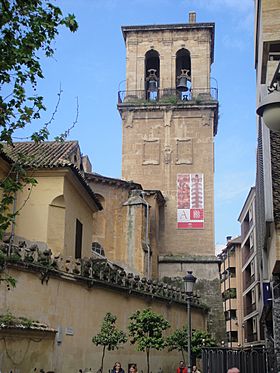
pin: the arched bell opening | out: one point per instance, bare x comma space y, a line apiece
152, 74
183, 72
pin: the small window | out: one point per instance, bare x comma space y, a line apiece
97, 248
232, 336
79, 239
254, 325
274, 52
250, 213
252, 265
251, 240
232, 272
253, 294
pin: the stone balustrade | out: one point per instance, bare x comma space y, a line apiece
92, 270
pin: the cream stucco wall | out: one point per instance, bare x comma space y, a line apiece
77, 208
48, 212
68, 304
33, 202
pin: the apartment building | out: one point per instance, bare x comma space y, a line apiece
251, 291
231, 289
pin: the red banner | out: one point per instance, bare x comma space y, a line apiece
190, 201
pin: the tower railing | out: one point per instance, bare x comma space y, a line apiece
167, 96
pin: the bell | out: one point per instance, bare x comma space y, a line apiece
152, 86
182, 84
182, 80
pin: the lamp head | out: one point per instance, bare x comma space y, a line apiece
189, 281
269, 109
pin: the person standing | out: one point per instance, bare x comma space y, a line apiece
182, 367
195, 370
133, 368
117, 368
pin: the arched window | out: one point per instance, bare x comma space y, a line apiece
97, 248
183, 70
152, 74
56, 224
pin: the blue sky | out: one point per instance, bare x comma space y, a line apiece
90, 64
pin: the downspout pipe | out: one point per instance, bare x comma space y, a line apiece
147, 241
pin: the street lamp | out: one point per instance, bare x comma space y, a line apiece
269, 107
189, 284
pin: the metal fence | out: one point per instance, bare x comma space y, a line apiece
167, 96
219, 360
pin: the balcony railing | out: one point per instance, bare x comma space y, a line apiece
167, 96
248, 280
247, 253
249, 309
251, 337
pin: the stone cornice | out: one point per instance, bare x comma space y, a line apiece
91, 273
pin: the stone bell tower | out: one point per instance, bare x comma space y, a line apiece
169, 120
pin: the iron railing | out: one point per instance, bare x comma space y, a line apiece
249, 308
248, 280
247, 253
219, 360
167, 96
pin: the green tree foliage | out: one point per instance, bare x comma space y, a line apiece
178, 340
27, 31
109, 337
200, 338
146, 330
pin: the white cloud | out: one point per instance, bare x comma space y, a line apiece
242, 6
233, 186
240, 11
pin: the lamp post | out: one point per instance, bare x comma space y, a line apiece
189, 284
269, 108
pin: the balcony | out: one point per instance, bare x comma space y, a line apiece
167, 96
248, 280
230, 304
249, 309
246, 254
230, 283
251, 337
232, 325
230, 261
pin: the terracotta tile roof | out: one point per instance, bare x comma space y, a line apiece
49, 154
46, 154
275, 171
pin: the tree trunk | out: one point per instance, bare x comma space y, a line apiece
183, 356
148, 359
102, 360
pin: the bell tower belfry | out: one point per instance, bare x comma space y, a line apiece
169, 120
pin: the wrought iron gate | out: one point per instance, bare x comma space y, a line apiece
219, 360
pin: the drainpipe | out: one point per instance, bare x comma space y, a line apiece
13, 222
147, 241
